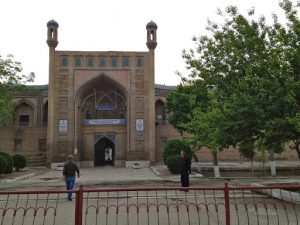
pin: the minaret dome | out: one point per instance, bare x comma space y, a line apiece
151, 28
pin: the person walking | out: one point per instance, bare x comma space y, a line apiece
69, 172
185, 169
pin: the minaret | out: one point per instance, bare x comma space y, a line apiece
52, 42
52, 34
151, 28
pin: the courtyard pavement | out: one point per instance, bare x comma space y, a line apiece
158, 174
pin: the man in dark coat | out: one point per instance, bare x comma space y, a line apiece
185, 169
69, 172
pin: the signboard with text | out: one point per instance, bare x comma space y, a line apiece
89, 122
140, 124
105, 107
63, 126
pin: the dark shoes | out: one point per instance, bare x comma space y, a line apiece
70, 199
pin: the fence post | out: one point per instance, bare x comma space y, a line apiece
78, 206
227, 204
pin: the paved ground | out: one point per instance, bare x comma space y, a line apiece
236, 173
158, 175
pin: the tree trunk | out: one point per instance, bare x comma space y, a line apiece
297, 149
216, 165
252, 166
273, 164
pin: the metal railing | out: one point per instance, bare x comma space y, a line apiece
226, 205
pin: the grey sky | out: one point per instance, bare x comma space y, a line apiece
111, 25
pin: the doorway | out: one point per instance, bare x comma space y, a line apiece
104, 152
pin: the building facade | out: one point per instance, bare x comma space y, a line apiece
102, 107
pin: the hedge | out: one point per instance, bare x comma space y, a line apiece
10, 162
173, 164
173, 147
19, 162
3, 164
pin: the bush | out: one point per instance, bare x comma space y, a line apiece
172, 163
173, 147
3, 164
10, 162
19, 162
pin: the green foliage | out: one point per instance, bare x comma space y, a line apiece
254, 70
3, 164
19, 162
173, 148
10, 162
172, 163
247, 150
10, 79
181, 103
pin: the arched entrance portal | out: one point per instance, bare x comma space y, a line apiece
104, 152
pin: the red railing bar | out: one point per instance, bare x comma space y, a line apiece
152, 189
227, 204
198, 188
264, 187
36, 192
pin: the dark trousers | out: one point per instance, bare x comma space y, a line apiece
184, 180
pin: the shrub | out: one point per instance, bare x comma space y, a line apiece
3, 164
10, 162
172, 163
173, 147
19, 162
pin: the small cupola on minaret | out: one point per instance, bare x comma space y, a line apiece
52, 40
151, 28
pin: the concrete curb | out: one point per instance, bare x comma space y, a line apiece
155, 171
288, 196
23, 177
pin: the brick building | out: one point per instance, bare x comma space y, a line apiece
99, 106
103, 107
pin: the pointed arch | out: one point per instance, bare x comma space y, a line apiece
160, 112
92, 82
45, 113
25, 101
104, 151
102, 98
24, 113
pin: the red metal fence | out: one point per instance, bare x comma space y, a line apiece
154, 206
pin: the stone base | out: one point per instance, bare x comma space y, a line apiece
86, 163
54, 165
120, 163
137, 164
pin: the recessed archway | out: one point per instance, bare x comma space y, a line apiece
102, 98
104, 152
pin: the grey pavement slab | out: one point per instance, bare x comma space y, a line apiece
96, 174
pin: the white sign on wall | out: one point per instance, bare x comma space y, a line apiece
140, 124
63, 126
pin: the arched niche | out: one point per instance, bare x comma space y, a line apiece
102, 98
160, 112
23, 114
45, 113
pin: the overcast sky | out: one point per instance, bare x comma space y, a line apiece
111, 25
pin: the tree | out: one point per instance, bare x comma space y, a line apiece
181, 103
10, 79
254, 68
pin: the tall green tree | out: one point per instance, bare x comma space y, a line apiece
181, 103
11, 79
254, 67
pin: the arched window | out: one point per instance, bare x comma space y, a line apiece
23, 115
45, 114
160, 112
